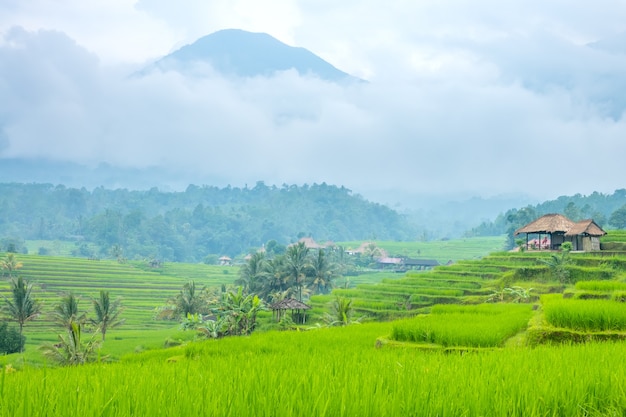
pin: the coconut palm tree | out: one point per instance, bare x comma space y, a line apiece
253, 273
341, 313
321, 279
22, 307
107, 313
66, 312
10, 265
275, 278
71, 349
296, 264
189, 300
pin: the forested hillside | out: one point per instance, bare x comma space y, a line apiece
608, 210
188, 226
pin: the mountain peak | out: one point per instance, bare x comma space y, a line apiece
236, 52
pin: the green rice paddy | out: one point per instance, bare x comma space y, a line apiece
327, 372
464, 358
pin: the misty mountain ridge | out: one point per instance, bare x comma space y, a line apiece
235, 52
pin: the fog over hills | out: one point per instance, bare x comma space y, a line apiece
466, 103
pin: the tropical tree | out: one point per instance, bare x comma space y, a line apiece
189, 300
239, 311
10, 265
341, 313
558, 263
618, 218
66, 312
276, 280
22, 307
296, 264
253, 273
321, 278
107, 313
70, 349
10, 339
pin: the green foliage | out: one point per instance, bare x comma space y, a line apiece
515, 294
189, 300
10, 339
71, 349
186, 226
66, 312
296, 265
191, 322
107, 313
618, 218
321, 276
22, 306
235, 314
9, 265
341, 313
558, 265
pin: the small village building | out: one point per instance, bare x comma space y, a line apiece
549, 232
298, 310
420, 263
585, 236
387, 262
404, 264
225, 260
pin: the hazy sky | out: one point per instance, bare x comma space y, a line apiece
478, 97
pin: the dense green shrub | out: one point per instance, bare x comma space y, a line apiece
10, 339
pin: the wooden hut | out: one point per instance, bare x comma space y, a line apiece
552, 230
585, 235
547, 232
298, 310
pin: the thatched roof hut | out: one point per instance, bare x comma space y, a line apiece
555, 229
550, 223
587, 228
297, 308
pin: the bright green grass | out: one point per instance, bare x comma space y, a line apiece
486, 325
601, 286
585, 315
327, 372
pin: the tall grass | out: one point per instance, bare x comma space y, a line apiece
328, 372
487, 325
601, 286
585, 315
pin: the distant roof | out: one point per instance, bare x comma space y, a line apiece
289, 304
310, 243
586, 227
421, 262
550, 223
557, 223
387, 260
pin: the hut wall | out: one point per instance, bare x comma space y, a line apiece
591, 243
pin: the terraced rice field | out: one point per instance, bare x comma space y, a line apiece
142, 289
